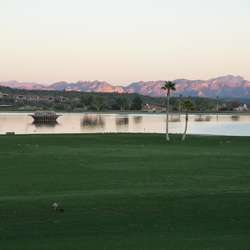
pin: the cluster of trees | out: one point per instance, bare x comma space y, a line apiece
201, 104
86, 101
121, 102
110, 101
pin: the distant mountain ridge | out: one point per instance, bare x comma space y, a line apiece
22, 85
223, 86
87, 86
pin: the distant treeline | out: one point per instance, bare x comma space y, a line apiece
109, 101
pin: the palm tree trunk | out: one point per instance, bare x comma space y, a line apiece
186, 123
167, 136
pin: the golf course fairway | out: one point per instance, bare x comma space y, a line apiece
124, 191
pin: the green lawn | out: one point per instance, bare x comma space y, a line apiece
124, 191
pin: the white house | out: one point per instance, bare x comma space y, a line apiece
242, 108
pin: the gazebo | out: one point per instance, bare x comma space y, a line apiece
45, 116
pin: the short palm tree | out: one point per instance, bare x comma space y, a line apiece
168, 86
187, 105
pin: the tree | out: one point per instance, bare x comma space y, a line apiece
137, 103
168, 86
85, 101
122, 102
235, 104
187, 105
89, 100
93, 100
101, 100
201, 103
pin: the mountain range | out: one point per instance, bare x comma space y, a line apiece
224, 86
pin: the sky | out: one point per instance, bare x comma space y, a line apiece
123, 41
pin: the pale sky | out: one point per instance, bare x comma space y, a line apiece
123, 41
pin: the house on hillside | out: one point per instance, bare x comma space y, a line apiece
62, 99
33, 97
152, 108
49, 98
19, 97
4, 95
242, 108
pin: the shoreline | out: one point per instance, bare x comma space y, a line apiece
129, 112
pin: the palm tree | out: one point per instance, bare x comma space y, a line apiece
180, 102
168, 86
187, 105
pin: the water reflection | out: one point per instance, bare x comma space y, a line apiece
122, 121
22, 123
235, 118
201, 118
208, 118
45, 124
175, 119
92, 121
137, 119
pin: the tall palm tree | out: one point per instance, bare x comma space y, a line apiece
187, 105
168, 86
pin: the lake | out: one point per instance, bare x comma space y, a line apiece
210, 124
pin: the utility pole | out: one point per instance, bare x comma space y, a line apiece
217, 103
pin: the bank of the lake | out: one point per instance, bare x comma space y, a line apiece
124, 191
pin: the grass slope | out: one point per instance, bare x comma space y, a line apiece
124, 191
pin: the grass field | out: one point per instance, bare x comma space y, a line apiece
124, 191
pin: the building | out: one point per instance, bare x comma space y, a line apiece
4, 95
152, 108
242, 108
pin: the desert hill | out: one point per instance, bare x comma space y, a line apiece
224, 86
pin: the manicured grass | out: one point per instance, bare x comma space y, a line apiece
124, 191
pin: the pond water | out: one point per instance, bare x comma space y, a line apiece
210, 124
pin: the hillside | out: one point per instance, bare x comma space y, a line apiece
225, 86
